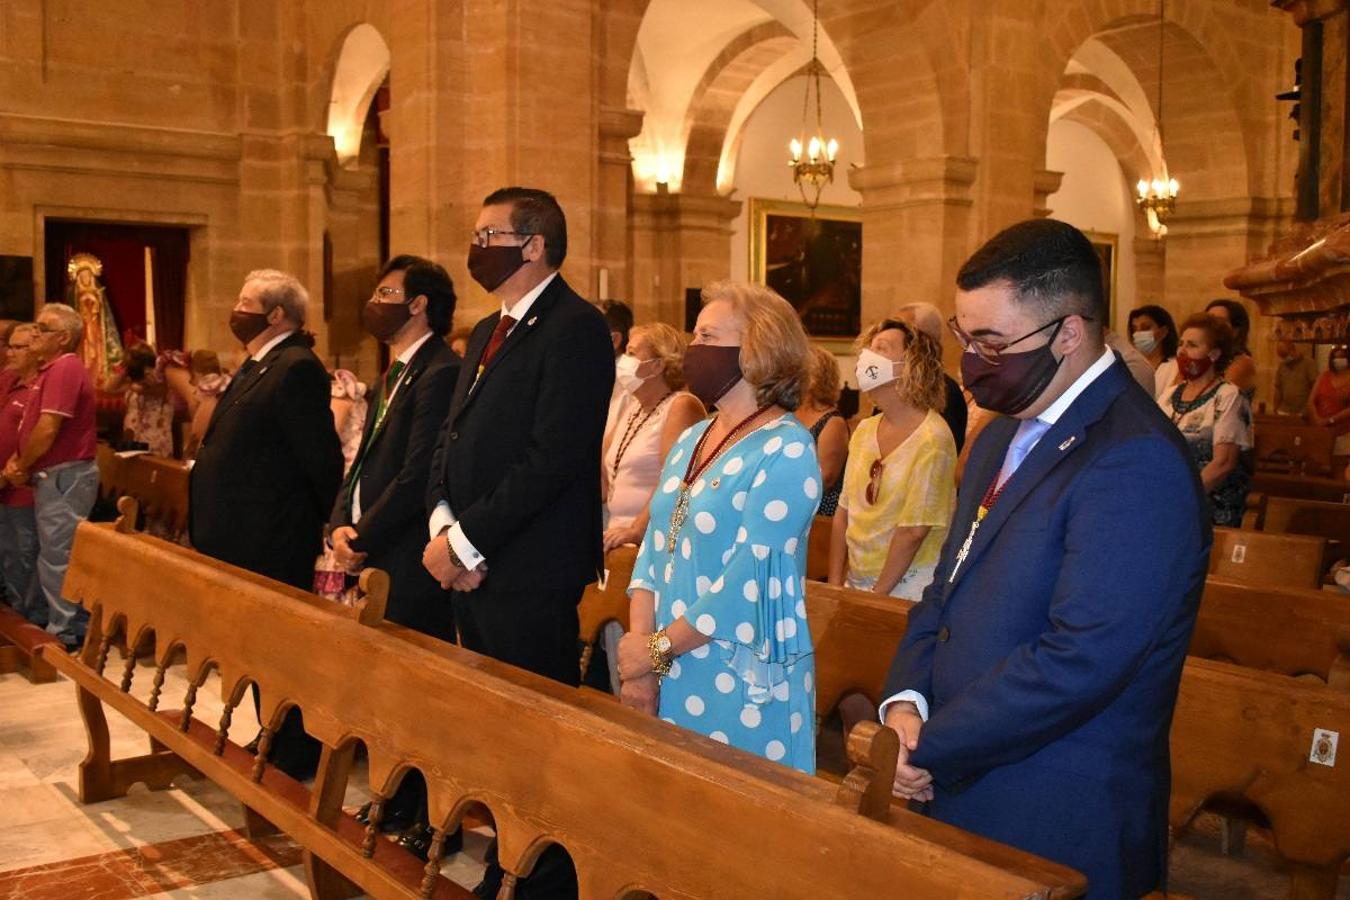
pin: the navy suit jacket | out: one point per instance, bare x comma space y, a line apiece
1051, 657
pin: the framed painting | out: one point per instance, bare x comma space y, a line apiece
814, 261
1106, 246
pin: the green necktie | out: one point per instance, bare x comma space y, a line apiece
390, 381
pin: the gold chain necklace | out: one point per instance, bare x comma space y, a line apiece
693, 470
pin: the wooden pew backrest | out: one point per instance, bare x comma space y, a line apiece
818, 549
1331, 490
552, 764
1264, 558
1293, 447
1288, 515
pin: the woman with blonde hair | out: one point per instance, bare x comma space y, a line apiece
718, 590
651, 374
899, 486
819, 413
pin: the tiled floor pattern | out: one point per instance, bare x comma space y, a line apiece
186, 842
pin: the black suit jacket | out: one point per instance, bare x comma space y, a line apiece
269, 468
394, 463
519, 457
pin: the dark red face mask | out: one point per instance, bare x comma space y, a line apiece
711, 371
1015, 381
245, 326
491, 266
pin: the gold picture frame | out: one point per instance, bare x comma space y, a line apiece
813, 258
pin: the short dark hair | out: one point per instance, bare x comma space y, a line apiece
1161, 317
535, 212
1238, 319
424, 278
619, 316
1048, 263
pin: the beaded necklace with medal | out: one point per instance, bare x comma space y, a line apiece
987, 503
694, 470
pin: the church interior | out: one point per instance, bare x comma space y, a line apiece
850, 156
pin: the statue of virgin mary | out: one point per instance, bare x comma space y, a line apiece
101, 349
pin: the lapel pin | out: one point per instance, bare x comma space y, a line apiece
532, 320
1065, 446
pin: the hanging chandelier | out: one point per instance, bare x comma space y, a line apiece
1157, 198
812, 158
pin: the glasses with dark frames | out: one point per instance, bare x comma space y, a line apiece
990, 351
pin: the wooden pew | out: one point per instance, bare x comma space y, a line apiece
159, 485
1287, 515
551, 764
1265, 558
1299, 633
818, 548
1292, 447
602, 604
1330, 490
1256, 727
19, 642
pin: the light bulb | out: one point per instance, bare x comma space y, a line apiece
1173, 187
796, 147
813, 149
832, 149
1142, 187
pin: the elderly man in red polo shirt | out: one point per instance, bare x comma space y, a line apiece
56, 457
18, 525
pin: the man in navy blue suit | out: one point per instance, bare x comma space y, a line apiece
1034, 688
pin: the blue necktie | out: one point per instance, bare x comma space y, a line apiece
1028, 433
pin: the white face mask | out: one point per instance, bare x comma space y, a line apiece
874, 370
625, 373
1145, 342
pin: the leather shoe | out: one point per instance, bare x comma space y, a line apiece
417, 841
393, 820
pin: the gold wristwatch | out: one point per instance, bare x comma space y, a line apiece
658, 645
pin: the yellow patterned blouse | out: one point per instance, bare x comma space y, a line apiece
916, 486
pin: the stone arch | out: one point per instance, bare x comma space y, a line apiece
675, 83
1113, 124
719, 96
1204, 63
361, 67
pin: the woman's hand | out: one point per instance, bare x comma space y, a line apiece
642, 694
635, 660
622, 534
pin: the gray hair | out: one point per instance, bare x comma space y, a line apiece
924, 316
68, 320
277, 288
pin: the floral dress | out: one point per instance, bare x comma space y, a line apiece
736, 572
1218, 416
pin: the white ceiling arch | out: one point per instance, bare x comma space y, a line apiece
362, 65
677, 42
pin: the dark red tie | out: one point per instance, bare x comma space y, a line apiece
495, 342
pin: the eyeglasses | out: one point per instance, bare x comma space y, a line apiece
46, 329
483, 236
990, 351
386, 293
874, 482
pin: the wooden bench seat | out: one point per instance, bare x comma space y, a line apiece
19, 642
551, 764
1318, 518
1265, 558
1330, 490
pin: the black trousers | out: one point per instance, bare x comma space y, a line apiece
536, 631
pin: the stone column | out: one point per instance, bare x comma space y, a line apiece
679, 242
612, 207
916, 230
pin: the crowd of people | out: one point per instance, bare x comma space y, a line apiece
490, 484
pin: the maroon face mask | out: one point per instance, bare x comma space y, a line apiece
1014, 382
383, 320
711, 371
490, 266
247, 325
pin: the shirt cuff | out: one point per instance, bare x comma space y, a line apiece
464, 549
912, 696
441, 519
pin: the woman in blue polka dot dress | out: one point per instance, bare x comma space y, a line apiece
718, 589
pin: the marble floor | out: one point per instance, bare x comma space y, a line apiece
187, 841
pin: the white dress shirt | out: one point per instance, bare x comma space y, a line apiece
1049, 416
442, 516
267, 347
405, 357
